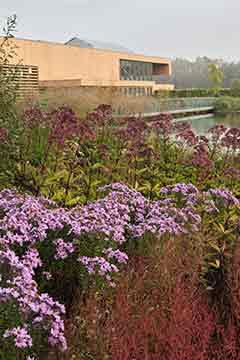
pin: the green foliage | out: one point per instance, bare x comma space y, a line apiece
189, 74
220, 241
236, 85
216, 76
72, 173
7, 86
104, 150
227, 104
8, 95
191, 93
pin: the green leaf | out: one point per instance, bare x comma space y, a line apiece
63, 174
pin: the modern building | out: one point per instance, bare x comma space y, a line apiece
83, 63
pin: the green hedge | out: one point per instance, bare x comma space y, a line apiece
182, 93
227, 104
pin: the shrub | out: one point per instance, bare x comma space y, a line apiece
185, 93
65, 158
33, 233
144, 318
7, 85
46, 252
65, 233
227, 104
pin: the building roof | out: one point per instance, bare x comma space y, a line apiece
94, 44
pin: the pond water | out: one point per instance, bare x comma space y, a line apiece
201, 125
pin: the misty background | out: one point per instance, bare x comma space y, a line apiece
182, 29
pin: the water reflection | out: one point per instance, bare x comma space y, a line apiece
201, 125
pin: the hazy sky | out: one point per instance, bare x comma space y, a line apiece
171, 28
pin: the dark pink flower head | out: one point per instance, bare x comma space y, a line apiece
138, 148
203, 139
201, 157
217, 131
64, 125
231, 138
189, 137
134, 131
85, 132
105, 110
34, 116
136, 127
162, 124
101, 115
3, 135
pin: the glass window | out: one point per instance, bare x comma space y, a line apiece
135, 70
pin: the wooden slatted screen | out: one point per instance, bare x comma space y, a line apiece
25, 77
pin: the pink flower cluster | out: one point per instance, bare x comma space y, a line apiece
201, 157
21, 336
64, 125
121, 215
100, 266
224, 196
3, 135
162, 124
21, 287
63, 249
101, 115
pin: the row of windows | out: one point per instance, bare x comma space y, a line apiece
135, 70
135, 91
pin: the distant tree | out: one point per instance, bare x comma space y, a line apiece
195, 74
235, 87
191, 74
7, 49
8, 86
236, 84
215, 76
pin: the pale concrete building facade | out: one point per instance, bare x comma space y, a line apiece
75, 65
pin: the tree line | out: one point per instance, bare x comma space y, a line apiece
204, 72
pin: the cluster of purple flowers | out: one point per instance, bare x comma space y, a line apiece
217, 131
120, 256
162, 124
19, 286
63, 249
201, 157
231, 138
224, 196
34, 116
181, 188
227, 137
101, 115
100, 266
21, 336
62, 124
121, 215
184, 132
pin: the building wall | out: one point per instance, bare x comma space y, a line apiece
63, 62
